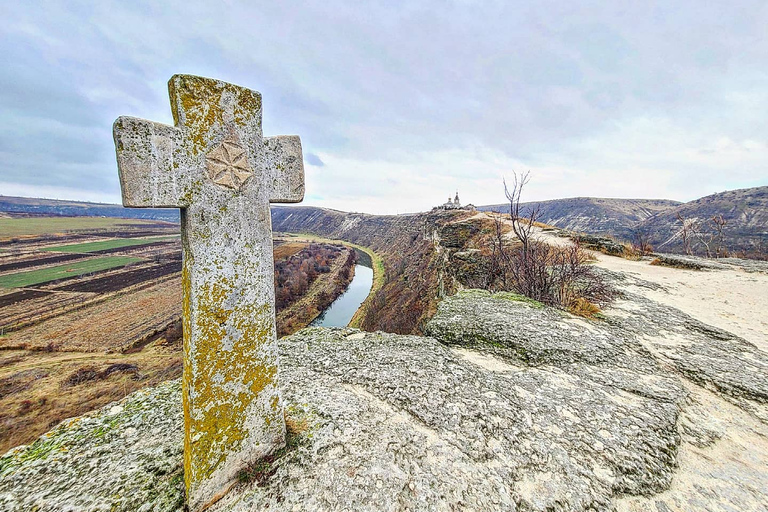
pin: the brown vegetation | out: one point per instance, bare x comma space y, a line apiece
300, 295
284, 250
553, 275
294, 275
38, 389
113, 325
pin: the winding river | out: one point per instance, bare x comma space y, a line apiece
343, 308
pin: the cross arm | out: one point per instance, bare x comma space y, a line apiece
285, 165
149, 173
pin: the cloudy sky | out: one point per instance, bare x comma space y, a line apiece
399, 105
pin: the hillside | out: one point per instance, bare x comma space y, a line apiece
603, 216
38, 206
745, 211
418, 252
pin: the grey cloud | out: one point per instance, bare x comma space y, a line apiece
382, 82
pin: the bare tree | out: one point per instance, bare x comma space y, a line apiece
522, 225
558, 276
718, 225
685, 233
709, 234
641, 242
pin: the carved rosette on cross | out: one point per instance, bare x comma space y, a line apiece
217, 167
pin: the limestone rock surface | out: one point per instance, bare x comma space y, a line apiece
509, 406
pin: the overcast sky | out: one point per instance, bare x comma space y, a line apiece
399, 105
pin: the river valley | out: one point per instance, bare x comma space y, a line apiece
341, 311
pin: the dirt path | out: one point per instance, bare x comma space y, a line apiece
733, 300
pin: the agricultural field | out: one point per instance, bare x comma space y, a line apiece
60, 272
107, 245
34, 226
53, 265
90, 311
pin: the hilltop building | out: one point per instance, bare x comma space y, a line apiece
454, 204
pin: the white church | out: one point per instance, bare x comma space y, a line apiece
454, 204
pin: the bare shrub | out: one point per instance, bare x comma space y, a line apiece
685, 233
641, 242
553, 275
81, 375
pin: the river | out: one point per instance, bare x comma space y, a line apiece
343, 308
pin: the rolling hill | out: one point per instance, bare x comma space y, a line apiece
57, 207
745, 212
603, 216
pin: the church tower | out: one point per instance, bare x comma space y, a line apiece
456, 200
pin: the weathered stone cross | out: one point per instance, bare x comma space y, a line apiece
215, 166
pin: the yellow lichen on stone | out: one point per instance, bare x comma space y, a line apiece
218, 427
187, 370
198, 99
247, 106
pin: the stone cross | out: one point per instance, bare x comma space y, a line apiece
215, 165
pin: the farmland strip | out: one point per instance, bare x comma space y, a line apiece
153, 244
107, 244
38, 262
12, 298
122, 280
44, 275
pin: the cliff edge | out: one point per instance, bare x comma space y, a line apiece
506, 406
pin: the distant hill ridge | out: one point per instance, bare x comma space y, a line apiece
607, 216
63, 208
745, 211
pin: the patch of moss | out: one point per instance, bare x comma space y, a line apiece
516, 297
40, 449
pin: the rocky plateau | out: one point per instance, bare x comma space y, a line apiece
503, 405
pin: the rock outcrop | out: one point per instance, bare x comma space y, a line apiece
508, 406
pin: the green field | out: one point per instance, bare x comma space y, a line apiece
50, 225
44, 275
108, 244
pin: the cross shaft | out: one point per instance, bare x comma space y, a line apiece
216, 166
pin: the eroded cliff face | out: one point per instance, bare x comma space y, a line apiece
416, 250
508, 406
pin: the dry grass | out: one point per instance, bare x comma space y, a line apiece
295, 426
631, 253
582, 307
113, 325
40, 389
287, 249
